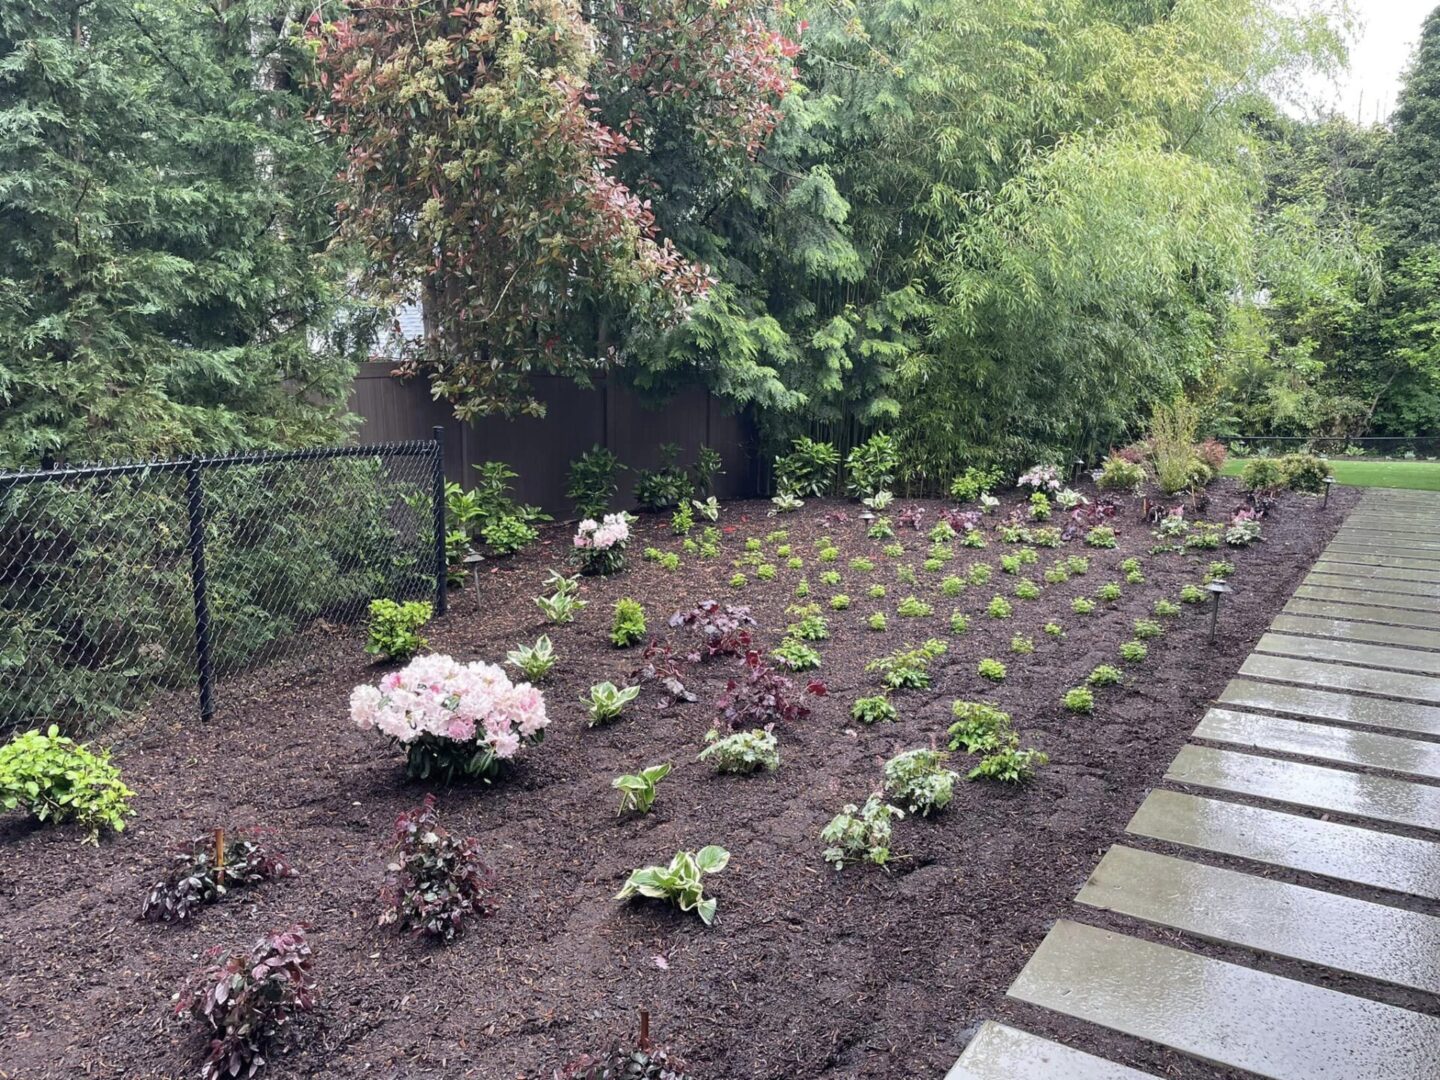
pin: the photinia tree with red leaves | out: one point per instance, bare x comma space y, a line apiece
484, 146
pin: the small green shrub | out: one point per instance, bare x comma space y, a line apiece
1192, 594
743, 752
1079, 699
1010, 764
1305, 472
1056, 575
991, 669
860, 833
942, 532
893, 551
563, 603
1133, 651
919, 781
53, 778
830, 577
1130, 565
627, 627
959, 622
862, 565
683, 520
802, 588
1219, 571
973, 482
979, 574
876, 592
1047, 537
1028, 556
913, 608
753, 544
393, 630
809, 624
795, 655
932, 566
795, 563
765, 572
1135, 577
1054, 629
1082, 606
1077, 564
1010, 564
1039, 506
1146, 628
874, 710
1101, 536
952, 587
999, 608
979, 728
1166, 608
738, 580
1105, 675
905, 575
880, 529
1110, 592
1021, 644
1261, 474
839, 602
1117, 474
973, 538
908, 669
876, 621
1025, 589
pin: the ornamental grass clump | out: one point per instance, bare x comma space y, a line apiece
436, 881
55, 779
600, 545
247, 999
454, 720
207, 868
860, 833
681, 882
919, 781
743, 752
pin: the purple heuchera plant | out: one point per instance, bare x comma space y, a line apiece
723, 629
247, 999
436, 880
197, 875
762, 696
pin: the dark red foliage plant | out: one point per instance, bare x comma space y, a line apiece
722, 629
760, 695
208, 867
660, 663
247, 999
962, 521
436, 880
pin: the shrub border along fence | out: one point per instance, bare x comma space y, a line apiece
194, 469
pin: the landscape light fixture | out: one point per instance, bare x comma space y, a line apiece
1075, 467
1216, 589
1329, 483
473, 560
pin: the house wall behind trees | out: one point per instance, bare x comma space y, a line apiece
576, 419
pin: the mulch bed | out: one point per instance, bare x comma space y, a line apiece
807, 972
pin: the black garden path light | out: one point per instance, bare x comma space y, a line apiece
1329, 483
1217, 589
473, 561
1075, 467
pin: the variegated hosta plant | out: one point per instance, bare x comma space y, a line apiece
680, 882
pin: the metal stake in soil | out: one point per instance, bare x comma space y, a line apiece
1217, 589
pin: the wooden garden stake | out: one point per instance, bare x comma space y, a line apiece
644, 1029
220, 856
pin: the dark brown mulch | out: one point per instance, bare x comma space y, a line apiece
807, 973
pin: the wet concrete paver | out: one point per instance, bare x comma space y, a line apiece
999, 1052
1310, 701
1324, 742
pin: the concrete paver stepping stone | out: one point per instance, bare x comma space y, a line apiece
1307, 738
1351, 652
1330, 705
1364, 558
1349, 630
1342, 677
1424, 589
1316, 787
1224, 1013
1344, 852
1372, 940
1327, 565
1300, 604
1369, 597
998, 1052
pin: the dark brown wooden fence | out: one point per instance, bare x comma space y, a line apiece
576, 418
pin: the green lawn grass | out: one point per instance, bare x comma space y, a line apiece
1417, 475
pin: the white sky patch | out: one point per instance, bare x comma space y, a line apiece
1388, 32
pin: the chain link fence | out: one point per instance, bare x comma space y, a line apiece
121, 583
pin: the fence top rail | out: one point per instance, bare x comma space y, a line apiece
1328, 438
413, 448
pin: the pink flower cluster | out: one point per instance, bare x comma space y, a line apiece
595, 535
1045, 477
438, 696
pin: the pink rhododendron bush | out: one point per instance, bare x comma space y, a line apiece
600, 545
453, 719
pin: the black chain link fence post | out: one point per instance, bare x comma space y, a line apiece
441, 570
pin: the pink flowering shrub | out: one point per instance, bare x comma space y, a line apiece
452, 718
1041, 478
600, 545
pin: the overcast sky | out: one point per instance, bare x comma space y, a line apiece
1389, 31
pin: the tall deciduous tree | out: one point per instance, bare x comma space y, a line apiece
495, 161
164, 206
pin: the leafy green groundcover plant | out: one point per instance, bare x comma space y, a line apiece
393, 631
979, 727
207, 868
55, 779
860, 833
1079, 699
435, 881
909, 668
563, 602
919, 781
607, 701
873, 710
533, 661
681, 882
628, 625
743, 752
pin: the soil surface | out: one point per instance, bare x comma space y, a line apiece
866, 973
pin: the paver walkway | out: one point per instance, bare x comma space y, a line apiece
1302, 825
